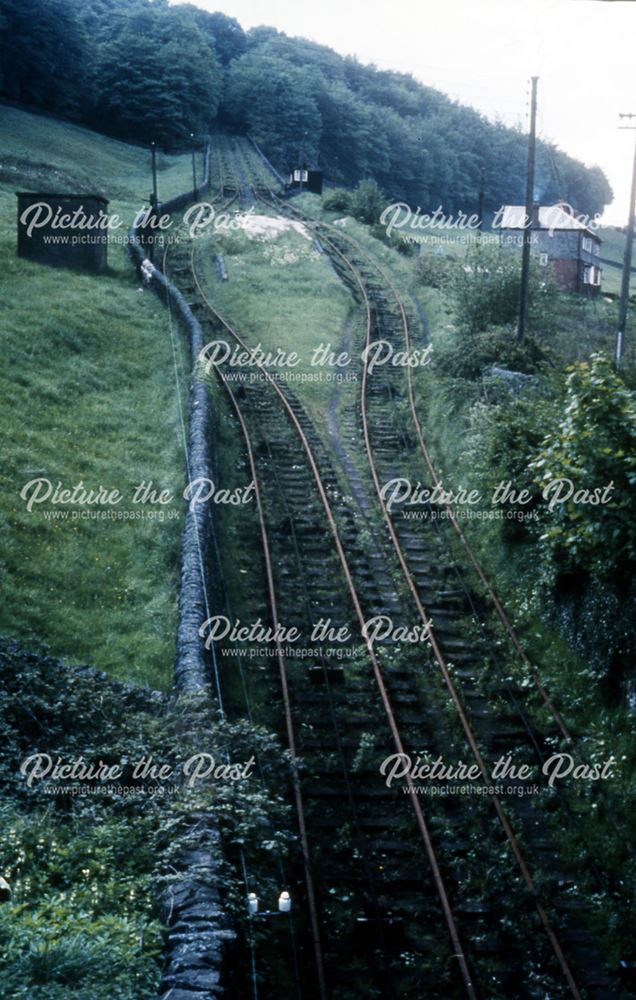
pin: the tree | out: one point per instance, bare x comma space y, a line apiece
149, 69
44, 55
347, 133
593, 446
273, 100
159, 79
224, 34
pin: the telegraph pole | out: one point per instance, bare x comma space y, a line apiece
153, 147
301, 158
627, 259
194, 166
527, 232
153, 198
480, 208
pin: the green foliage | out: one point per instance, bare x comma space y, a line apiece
145, 69
79, 922
337, 200
367, 202
487, 291
592, 446
225, 34
158, 77
435, 270
45, 56
86, 871
467, 357
503, 432
569, 568
274, 101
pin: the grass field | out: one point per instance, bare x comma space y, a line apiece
40, 153
88, 395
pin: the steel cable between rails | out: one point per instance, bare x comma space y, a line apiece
251, 717
236, 407
366, 864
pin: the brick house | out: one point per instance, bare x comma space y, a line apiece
560, 239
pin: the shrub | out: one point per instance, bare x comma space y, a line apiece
435, 269
86, 871
467, 357
592, 446
367, 203
487, 291
337, 200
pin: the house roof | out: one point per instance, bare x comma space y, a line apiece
550, 217
61, 196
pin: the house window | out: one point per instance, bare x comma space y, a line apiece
543, 259
591, 275
587, 244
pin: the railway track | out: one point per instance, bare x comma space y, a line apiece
312, 550
383, 440
308, 547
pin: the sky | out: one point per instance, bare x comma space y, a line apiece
483, 53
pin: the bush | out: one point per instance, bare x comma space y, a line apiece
80, 897
467, 357
592, 446
487, 291
86, 871
337, 200
435, 269
367, 202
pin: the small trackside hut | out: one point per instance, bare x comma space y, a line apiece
64, 230
559, 239
306, 180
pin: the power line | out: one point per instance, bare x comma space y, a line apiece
527, 232
627, 259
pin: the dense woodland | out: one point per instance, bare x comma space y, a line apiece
142, 70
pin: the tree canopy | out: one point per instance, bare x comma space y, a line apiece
144, 70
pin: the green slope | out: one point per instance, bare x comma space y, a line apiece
87, 393
612, 251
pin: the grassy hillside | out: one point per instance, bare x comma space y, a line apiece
612, 251
87, 394
42, 153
